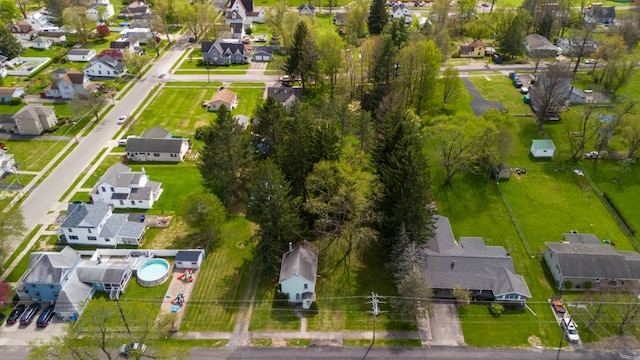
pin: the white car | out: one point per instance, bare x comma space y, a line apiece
571, 330
122, 119
524, 90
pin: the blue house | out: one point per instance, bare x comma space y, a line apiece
224, 53
8, 93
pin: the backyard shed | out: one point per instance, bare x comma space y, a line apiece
542, 148
504, 171
189, 259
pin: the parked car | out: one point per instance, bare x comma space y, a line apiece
192, 39
524, 90
30, 313
571, 330
16, 313
496, 58
558, 306
126, 349
590, 61
513, 75
45, 317
517, 83
122, 119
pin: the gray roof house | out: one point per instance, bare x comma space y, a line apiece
285, 95
158, 145
34, 119
602, 15
105, 66
486, 271
224, 53
583, 261
123, 188
539, 46
96, 224
298, 272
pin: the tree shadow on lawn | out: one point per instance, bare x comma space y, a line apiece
234, 285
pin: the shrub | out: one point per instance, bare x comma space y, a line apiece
496, 309
588, 285
200, 132
568, 285
16, 101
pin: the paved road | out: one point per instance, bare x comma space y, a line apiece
43, 200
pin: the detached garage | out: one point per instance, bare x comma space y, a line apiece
542, 148
189, 259
262, 53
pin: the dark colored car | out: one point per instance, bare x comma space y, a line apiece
513, 75
46, 316
15, 314
30, 313
517, 83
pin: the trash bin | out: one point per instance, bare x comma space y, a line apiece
142, 218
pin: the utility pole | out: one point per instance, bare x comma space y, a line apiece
375, 302
123, 318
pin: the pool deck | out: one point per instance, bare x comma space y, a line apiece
175, 287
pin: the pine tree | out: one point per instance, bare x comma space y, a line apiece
378, 17
267, 129
303, 55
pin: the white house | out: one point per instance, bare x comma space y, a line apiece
100, 10
401, 11
105, 66
122, 188
81, 55
39, 21
7, 163
542, 148
66, 83
189, 259
142, 35
224, 97
298, 274
96, 224
157, 144
41, 43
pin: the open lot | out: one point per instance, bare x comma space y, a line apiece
33, 155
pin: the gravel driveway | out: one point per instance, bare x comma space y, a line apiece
479, 104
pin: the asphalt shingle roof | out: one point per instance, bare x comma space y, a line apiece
301, 261
170, 145
188, 255
85, 215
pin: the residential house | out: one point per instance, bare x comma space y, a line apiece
142, 35
244, 9
542, 148
339, 19
223, 53
38, 21
81, 55
34, 119
135, 10
574, 46
601, 15
486, 271
57, 38
99, 10
67, 83
224, 97
307, 10
582, 261
41, 43
475, 48
539, 46
97, 225
105, 66
122, 188
234, 17
298, 272
262, 53
237, 31
551, 92
8, 93
579, 96
7, 162
401, 11
189, 259
23, 32
3, 66
131, 44
286, 95
157, 144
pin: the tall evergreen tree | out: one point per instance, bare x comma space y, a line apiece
403, 195
511, 32
271, 206
303, 54
267, 128
9, 46
378, 17
325, 143
297, 158
225, 160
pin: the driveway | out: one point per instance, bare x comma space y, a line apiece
479, 104
445, 325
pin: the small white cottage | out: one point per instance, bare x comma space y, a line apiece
189, 259
298, 274
542, 148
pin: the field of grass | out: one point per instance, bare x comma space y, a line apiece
192, 65
35, 154
217, 293
248, 98
499, 88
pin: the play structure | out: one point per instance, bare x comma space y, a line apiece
186, 276
179, 300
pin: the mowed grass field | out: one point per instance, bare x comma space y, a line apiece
35, 154
217, 293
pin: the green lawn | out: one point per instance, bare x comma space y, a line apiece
35, 154
100, 170
193, 65
499, 88
153, 295
221, 280
248, 98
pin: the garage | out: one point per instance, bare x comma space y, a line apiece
262, 54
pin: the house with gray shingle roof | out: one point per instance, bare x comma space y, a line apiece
224, 53
298, 272
34, 119
586, 262
122, 188
96, 224
486, 271
105, 66
158, 145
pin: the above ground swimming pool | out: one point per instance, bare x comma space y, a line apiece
153, 272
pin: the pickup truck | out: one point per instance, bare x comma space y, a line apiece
558, 306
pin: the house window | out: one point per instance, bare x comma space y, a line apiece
91, 238
112, 189
194, 263
37, 293
297, 296
306, 286
73, 237
99, 72
103, 189
174, 155
89, 231
51, 286
156, 154
107, 240
70, 230
133, 202
121, 202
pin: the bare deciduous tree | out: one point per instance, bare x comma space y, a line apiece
550, 92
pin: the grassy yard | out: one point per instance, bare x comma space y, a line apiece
499, 88
193, 65
221, 280
100, 170
35, 154
248, 98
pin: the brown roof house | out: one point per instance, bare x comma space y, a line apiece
8, 93
23, 31
539, 46
475, 48
222, 97
66, 83
34, 119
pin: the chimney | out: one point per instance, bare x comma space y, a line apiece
99, 259
290, 246
453, 263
